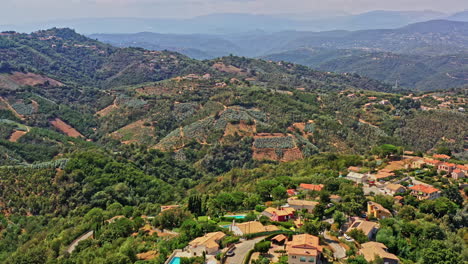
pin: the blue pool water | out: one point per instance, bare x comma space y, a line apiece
175, 260
235, 216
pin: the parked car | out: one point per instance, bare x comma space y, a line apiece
231, 252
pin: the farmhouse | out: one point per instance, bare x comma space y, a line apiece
372, 249
304, 248
458, 174
423, 192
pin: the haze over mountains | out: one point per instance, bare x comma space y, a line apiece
240, 23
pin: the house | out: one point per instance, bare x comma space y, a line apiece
279, 239
370, 250
304, 248
282, 214
357, 177
377, 210
431, 162
354, 169
252, 227
463, 168
208, 243
445, 167
291, 192
382, 175
300, 205
423, 192
367, 227
393, 189
335, 198
441, 156
310, 187
417, 164
458, 174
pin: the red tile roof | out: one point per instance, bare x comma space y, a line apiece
424, 188
441, 156
312, 187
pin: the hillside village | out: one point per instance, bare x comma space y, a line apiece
306, 225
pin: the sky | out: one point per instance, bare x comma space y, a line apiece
25, 11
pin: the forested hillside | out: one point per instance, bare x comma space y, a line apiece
410, 71
96, 140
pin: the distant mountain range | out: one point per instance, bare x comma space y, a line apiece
419, 55
240, 23
434, 37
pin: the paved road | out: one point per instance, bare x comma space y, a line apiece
338, 251
73, 245
241, 251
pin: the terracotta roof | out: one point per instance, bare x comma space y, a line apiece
255, 227
312, 187
394, 187
304, 245
462, 167
301, 202
370, 249
208, 240
424, 188
398, 197
354, 169
365, 226
440, 156
382, 174
291, 191
432, 162
457, 171
447, 164
280, 212
279, 238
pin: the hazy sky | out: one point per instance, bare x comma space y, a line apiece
17, 11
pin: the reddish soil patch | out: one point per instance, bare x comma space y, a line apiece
17, 135
292, 154
265, 154
66, 128
31, 79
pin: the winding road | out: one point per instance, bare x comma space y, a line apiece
242, 249
73, 245
338, 251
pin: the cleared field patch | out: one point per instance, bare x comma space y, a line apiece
65, 128
5, 103
17, 134
275, 146
106, 111
228, 68
137, 132
18, 79
242, 129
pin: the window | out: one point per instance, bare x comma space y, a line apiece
294, 257
302, 259
312, 260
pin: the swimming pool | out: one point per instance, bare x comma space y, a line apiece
235, 216
175, 260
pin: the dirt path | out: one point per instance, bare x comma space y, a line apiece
11, 108
367, 123
73, 245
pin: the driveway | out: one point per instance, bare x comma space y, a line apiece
241, 251
338, 251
